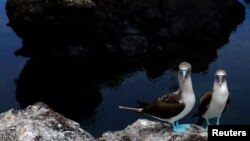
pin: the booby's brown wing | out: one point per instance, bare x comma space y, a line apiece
176, 96
165, 107
204, 102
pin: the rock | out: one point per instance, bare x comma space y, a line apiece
43, 4
49, 17
134, 45
98, 25
39, 123
145, 130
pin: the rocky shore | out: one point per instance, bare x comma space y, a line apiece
39, 122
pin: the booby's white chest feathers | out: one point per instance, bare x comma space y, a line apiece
189, 100
220, 96
218, 102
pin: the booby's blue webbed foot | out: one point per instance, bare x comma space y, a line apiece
186, 126
178, 129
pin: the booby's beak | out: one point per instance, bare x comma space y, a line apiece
184, 72
220, 79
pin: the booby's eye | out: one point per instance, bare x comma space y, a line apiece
223, 77
217, 77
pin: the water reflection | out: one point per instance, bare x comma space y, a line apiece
68, 88
69, 79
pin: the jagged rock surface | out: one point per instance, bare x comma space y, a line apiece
39, 123
145, 130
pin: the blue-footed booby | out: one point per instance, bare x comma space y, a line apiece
173, 106
214, 103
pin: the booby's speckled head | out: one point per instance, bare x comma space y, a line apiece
184, 69
220, 76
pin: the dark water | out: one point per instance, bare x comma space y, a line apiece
10, 66
44, 82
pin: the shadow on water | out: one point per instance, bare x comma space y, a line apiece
67, 69
67, 88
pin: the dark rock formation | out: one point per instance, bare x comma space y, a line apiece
39, 123
168, 25
127, 28
145, 130
142, 33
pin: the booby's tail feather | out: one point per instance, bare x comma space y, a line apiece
200, 121
138, 110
